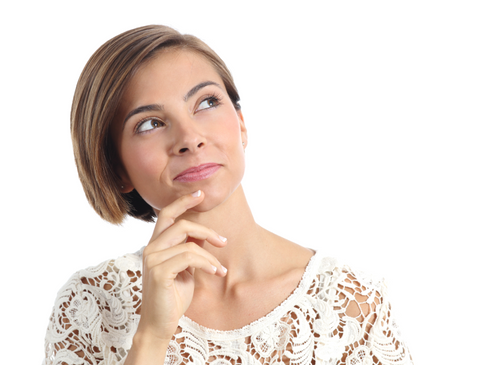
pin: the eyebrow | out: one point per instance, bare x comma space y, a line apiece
142, 109
159, 107
195, 89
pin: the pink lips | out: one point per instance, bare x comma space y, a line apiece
197, 173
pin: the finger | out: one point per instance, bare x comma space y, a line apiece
180, 231
168, 270
159, 257
166, 216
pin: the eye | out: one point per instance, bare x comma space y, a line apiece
209, 102
148, 125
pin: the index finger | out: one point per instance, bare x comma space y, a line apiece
166, 216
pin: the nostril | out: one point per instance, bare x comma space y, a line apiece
186, 149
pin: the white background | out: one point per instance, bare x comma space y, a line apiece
363, 121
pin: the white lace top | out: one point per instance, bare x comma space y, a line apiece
97, 312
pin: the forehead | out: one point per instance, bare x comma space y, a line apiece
170, 72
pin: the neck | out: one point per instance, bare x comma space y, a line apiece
246, 241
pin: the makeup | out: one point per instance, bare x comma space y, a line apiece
197, 173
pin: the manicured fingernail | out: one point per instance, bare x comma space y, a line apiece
224, 269
196, 194
214, 269
222, 238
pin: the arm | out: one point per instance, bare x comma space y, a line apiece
73, 329
94, 315
146, 352
169, 263
379, 339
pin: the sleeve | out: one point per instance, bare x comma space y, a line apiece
377, 339
95, 315
73, 334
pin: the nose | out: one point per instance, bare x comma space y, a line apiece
188, 138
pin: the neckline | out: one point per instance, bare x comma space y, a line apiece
304, 284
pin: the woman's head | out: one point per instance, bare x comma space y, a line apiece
96, 102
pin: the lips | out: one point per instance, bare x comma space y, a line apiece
197, 173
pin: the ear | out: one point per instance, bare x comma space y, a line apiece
125, 186
243, 128
125, 189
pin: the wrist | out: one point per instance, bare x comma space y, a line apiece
147, 350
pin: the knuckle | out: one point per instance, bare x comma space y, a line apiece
156, 274
163, 212
146, 252
191, 246
182, 223
169, 221
165, 218
147, 261
188, 256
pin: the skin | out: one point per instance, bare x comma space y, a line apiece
152, 159
183, 270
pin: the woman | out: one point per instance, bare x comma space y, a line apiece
158, 132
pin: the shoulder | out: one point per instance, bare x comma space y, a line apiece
357, 292
95, 310
332, 272
355, 304
124, 264
102, 281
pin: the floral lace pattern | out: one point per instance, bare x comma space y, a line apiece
334, 316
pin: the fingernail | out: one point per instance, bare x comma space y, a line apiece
222, 238
196, 194
214, 269
224, 269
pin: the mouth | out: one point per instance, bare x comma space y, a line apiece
197, 173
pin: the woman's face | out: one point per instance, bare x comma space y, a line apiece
177, 131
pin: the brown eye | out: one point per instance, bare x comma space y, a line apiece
149, 124
208, 103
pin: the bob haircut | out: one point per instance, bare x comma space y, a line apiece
97, 97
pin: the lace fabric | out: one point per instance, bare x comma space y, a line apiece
334, 316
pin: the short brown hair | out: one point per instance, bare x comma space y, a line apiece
97, 96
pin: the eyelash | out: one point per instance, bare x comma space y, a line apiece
145, 120
213, 97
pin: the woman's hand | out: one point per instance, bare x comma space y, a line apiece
169, 263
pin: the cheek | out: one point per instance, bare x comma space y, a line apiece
229, 129
142, 165
233, 144
145, 169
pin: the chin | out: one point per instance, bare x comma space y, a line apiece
211, 201
214, 198
202, 208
